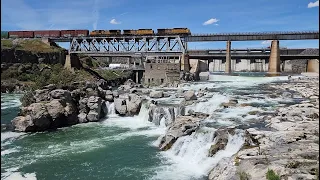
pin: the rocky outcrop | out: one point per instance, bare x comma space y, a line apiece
51, 108
21, 56
128, 104
182, 126
291, 146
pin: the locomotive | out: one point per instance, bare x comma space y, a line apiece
94, 33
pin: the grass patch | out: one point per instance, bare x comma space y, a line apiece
271, 175
31, 45
37, 76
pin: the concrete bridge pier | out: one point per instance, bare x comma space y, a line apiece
228, 58
72, 61
185, 64
313, 65
274, 60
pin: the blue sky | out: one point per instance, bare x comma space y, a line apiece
220, 15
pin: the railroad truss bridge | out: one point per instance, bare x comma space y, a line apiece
134, 44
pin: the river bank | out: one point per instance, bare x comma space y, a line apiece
128, 147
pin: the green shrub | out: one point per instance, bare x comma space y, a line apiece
27, 98
271, 175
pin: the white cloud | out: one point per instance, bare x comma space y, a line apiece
114, 21
267, 42
313, 4
210, 21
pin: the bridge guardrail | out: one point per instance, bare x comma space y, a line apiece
255, 33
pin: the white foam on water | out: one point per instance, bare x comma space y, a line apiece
20, 176
10, 100
188, 157
209, 106
135, 122
8, 137
9, 151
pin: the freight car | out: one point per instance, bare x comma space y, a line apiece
21, 34
174, 31
105, 33
74, 33
47, 34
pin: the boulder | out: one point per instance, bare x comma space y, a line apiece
189, 95
93, 116
156, 94
37, 119
60, 94
120, 106
82, 118
94, 104
133, 104
182, 126
50, 87
42, 95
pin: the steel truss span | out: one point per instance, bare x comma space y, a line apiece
128, 44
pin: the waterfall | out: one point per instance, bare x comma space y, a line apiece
164, 115
111, 109
188, 157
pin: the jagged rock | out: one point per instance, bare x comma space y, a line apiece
70, 112
182, 126
146, 91
42, 95
94, 104
120, 106
60, 94
156, 94
82, 118
83, 108
189, 95
93, 116
157, 113
37, 118
133, 104
221, 140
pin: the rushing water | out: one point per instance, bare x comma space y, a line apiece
126, 147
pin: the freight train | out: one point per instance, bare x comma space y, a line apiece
95, 33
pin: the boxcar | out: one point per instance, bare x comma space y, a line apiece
67, 33
143, 32
15, 34
81, 33
27, 34
47, 33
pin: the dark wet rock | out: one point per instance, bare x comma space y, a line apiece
182, 126
221, 137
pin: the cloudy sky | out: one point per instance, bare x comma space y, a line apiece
201, 16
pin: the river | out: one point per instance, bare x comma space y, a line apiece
126, 147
